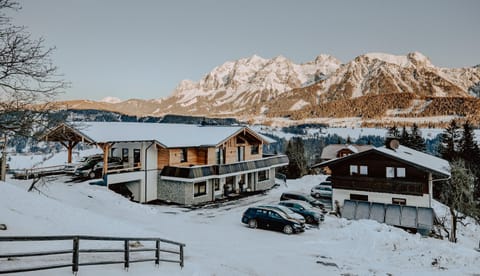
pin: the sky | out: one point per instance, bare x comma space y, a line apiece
143, 49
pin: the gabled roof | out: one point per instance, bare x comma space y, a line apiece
168, 135
331, 151
404, 154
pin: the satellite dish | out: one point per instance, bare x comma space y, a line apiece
394, 144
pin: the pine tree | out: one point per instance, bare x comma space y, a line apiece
416, 140
405, 137
470, 153
393, 132
458, 196
297, 166
450, 142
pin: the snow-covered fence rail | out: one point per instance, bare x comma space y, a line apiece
76, 251
37, 172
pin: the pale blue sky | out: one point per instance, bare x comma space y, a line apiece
144, 48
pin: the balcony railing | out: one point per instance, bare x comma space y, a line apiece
209, 170
379, 185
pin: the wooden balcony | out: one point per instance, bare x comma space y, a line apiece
209, 170
379, 185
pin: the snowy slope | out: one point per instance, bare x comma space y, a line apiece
218, 244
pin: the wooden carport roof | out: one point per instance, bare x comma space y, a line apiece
64, 133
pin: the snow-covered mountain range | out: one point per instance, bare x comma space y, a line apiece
256, 88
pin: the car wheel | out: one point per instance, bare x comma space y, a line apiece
252, 223
309, 219
91, 175
287, 229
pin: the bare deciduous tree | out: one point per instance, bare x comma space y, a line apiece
28, 79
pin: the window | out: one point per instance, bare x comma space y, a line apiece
263, 175
255, 149
395, 172
136, 156
216, 184
353, 169
200, 188
220, 156
241, 153
124, 155
390, 171
358, 197
183, 155
364, 170
399, 201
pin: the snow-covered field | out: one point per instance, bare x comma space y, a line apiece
217, 243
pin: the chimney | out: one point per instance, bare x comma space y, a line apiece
391, 143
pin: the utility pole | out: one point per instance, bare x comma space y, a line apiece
4, 158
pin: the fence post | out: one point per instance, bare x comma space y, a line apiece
76, 244
127, 256
181, 256
157, 252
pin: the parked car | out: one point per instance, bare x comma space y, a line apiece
92, 169
289, 213
273, 219
311, 215
303, 197
72, 167
323, 189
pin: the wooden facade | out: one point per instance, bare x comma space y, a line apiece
415, 181
243, 146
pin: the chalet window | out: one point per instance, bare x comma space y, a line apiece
183, 155
216, 184
263, 175
353, 169
136, 156
358, 197
399, 201
364, 170
124, 155
200, 188
395, 172
254, 149
220, 156
241, 153
390, 172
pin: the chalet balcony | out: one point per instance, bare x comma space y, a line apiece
209, 170
370, 184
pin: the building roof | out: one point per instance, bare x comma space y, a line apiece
416, 158
168, 135
331, 151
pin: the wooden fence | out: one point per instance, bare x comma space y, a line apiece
76, 251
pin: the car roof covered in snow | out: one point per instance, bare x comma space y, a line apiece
168, 135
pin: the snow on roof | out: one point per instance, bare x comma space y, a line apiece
169, 135
331, 151
427, 161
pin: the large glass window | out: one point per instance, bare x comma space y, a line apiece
124, 155
200, 188
401, 172
183, 155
